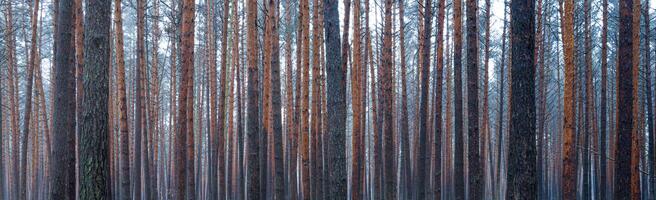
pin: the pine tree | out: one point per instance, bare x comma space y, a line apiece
626, 181
253, 132
604, 103
184, 140
569, 160
28, 100
522, 183
63, 163
94, 130
336, 103
124, 163
458, 119
357, 161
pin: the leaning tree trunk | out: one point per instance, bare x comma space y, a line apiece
28, 101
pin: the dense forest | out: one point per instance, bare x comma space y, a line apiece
327, 99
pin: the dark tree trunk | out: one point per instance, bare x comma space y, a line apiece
626, 84
603, 109
387, 100
404, 133
423, 164
139, 104
253, 132
457, 73
63, 157
522, 163
336, 99
475, 171
437, 99
94, 130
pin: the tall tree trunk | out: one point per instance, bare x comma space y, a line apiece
63, 163
569, 152
387, 102
522, 183
336, 103
315, 161
13, 95
501, 86
603, 107
404, 133
94, 130
154, 130
139, 120
215, 132
423, 152
437, 101
290, 172
475, 170
184, 140
457, 73
124, 163
277, 104
357, 161
626, 181
648, 91
254, 175
28, 100
487, 141
304, 133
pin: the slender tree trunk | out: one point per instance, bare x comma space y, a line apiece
63, 163
277, 105
124, 163
437, 101
569, 152
139, 120
215, 131
648, 91
94, 130
184, 140
28, 100
290, 108
603, 109
459, 134
387, 100
13, 95
404, 191
357, 161
487, 141
315, 161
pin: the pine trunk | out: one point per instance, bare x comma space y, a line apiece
522, 165
63, 163
336, 103
94, 130
458, 119
625, 172
28, 100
